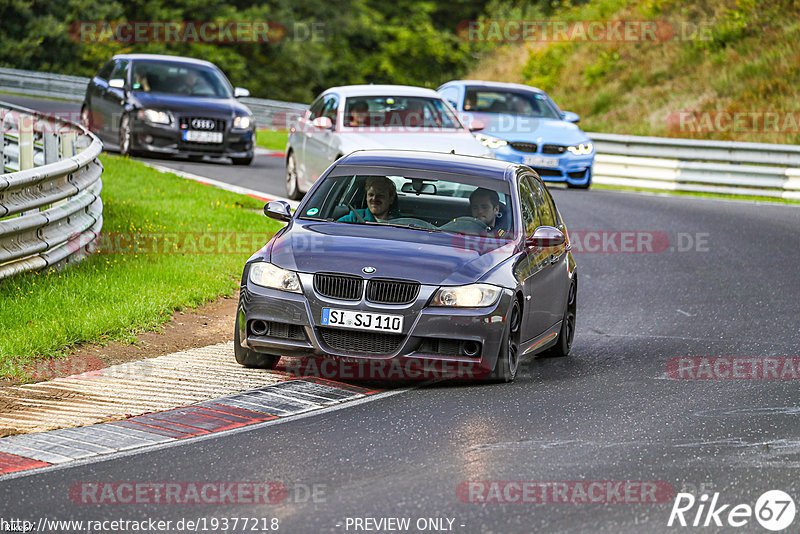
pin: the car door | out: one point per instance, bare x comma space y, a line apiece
532, 270
299, 145
320, 149
94, 93
554, 290
113, 99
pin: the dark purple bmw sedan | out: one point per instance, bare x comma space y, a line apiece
413, 256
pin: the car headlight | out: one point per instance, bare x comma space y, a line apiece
581, 149
491, 142
471, 296
154, 116
241, 122
268, 275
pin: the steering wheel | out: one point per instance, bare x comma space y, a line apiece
475, 224
413, 221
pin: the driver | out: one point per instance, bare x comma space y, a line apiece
485, 206
381, 202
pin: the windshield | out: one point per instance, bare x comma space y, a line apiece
398, 111
474, 206
523, 103
179, 79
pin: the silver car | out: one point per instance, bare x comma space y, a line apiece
345, 119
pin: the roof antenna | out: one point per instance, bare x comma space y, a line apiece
453, 151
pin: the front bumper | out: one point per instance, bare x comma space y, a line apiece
147, 137
429, 333
576, 170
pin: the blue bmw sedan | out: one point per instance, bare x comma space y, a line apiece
522, 124
405, 256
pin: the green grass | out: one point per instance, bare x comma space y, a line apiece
272, 139
122, 290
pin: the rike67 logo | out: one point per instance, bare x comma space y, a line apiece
774, 510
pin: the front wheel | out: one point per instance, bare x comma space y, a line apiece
125, 136
251, 358
292, 187
242, 161
505, 370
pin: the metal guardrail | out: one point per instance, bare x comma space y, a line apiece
698, 165
50, 207
646, 162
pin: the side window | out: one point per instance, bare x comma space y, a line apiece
529, 216
451, 95
105, 72
315, 109
120, 71
543, 202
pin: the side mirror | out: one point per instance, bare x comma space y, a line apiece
278, 210
117, 83
240, 92
323, 123
476, 125
546, 236
569, 116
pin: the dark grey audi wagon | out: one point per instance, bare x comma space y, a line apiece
406, 255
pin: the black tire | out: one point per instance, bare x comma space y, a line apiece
292, 187
567, 332
251, 358
505, 370
243, 161
125, 136
587, 185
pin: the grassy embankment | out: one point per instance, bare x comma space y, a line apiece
272, 139
734, 56
135, 282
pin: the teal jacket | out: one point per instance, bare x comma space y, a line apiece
367, 215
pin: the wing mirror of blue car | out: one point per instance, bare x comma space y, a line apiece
323, 123
476, 125
240, 92
570, 116
117, 83
544, 237
278, 210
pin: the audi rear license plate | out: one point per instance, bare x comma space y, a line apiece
361, 320
197, 136
538, 161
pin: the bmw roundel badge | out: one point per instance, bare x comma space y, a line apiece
368, 270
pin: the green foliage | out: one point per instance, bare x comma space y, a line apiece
325, 43
545, 65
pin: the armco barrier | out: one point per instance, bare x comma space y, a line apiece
50, 206
698, 165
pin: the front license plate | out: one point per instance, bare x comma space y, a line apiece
538, 161
361, 320
196, 136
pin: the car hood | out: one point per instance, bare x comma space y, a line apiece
433, 258
442, 141
530, 129
226, 107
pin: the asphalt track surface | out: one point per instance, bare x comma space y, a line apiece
611, 411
